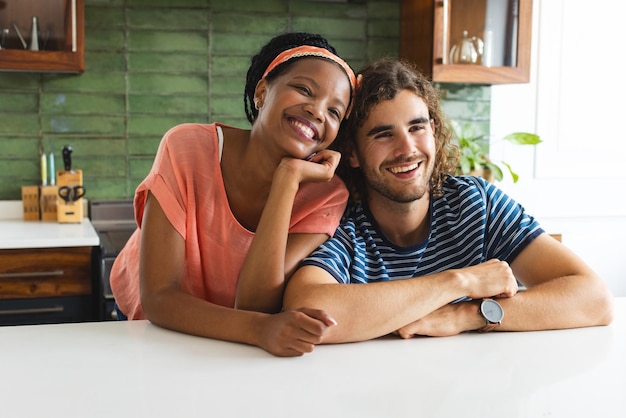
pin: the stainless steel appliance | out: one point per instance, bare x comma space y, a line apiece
114, 221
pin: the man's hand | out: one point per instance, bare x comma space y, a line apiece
451, 319
493, 278
293, 333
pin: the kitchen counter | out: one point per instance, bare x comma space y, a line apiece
15, 233
136, 369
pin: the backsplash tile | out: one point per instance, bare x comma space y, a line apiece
83, 125
167, 19
158, 124
105, 61
172, 104
19, 147
77, 103
19, 102
152, 64
18, 124
89, 82
19, 81
242, 24
101, 38
168, 42
156, 61
339, 28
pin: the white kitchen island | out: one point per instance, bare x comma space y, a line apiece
136, 369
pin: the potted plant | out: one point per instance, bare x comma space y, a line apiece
474, 152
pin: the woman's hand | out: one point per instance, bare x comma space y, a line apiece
293, 333
320, 167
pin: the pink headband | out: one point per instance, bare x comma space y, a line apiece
313, 51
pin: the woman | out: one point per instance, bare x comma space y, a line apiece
225, 215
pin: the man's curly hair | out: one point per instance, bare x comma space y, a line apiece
383, 80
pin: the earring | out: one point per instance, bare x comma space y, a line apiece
257, 106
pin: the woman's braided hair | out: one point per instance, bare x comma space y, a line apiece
266, 55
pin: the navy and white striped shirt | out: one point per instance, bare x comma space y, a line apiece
472, 222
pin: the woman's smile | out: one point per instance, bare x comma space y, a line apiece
304, 128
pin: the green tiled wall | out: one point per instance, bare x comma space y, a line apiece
151, 64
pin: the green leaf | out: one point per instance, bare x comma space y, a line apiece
465, 165
475, 150
495, 170
514, 175
522, 138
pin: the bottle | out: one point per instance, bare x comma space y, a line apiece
44, 169
51, 171
34, 36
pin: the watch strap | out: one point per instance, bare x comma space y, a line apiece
489, 327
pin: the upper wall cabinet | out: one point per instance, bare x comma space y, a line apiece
42, 35
468, 41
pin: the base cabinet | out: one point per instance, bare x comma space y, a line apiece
47, 285
46, 310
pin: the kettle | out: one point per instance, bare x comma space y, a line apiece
467, 50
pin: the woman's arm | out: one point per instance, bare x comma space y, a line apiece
161, 270
274, 254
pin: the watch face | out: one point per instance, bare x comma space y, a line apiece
492, 310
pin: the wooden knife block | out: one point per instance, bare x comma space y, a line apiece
69, 212
40, 203
30, 202
48, 202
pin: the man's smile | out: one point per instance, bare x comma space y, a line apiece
404, 168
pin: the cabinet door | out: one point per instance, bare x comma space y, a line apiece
42, 35
468, 41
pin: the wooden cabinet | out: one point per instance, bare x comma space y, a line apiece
59, 46
46, 285
434, 32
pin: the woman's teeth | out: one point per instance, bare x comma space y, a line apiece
304, 128
403, 169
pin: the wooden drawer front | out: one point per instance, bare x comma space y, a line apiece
45, 272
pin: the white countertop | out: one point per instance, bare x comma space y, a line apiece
135, 369
15, 233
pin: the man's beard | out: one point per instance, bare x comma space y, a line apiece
410, 193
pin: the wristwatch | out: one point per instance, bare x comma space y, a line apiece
492, 312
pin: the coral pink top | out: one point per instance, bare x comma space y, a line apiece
186, 179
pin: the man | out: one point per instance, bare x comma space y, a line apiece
459, 244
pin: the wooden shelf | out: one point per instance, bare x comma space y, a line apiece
428, 30
68, 55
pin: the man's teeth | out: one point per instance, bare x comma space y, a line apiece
304, 128
404, 169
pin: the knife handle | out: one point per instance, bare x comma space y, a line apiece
67, 157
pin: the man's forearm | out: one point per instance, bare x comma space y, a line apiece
565, 302
370, 310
